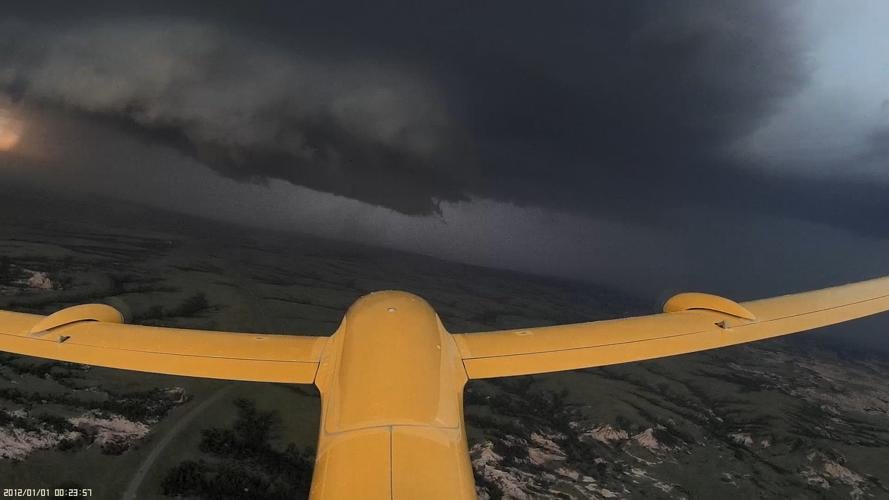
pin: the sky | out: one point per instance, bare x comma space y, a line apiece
734, 147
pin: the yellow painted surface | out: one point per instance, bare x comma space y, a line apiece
392, 370
173, 351
693, 300
394, 364
391, 377
355, 464
540, 350
85, 312
419, 457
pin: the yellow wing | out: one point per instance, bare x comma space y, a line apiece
94, 335
691, 322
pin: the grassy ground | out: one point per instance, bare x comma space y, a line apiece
804, 403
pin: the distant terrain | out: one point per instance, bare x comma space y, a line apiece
780, 419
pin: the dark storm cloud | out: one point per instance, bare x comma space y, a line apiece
876, 155
565, 124
373, 132
572, 106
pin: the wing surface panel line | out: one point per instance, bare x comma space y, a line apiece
648, 339
164, 353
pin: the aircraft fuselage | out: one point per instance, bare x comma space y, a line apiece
391, 383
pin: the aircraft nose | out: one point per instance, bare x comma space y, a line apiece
391, 301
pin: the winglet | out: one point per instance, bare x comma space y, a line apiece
85, 312
694, 300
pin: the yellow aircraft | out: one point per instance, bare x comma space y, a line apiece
391, 377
